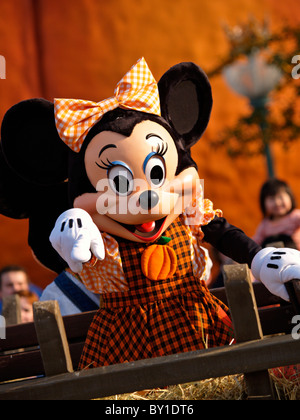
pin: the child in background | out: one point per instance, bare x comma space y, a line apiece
281, 222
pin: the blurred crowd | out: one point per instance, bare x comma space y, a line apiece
280, 224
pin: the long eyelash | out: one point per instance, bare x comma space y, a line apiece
106, 165
162, 149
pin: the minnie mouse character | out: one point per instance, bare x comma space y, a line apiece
132, 217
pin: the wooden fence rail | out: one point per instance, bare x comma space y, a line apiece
100, 382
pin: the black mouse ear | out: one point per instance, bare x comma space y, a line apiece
186, 100
33, 173
52, 201
40, 204
31, 144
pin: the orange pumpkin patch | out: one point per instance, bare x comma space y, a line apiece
159, 262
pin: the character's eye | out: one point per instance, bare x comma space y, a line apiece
155, 171
121, 180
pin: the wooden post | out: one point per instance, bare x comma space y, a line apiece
11, 310
246, 322
52, 338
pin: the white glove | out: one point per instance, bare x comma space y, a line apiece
276, 266
75, 236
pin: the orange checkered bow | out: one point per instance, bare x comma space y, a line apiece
136, 90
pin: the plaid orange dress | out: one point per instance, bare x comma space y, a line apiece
156, 318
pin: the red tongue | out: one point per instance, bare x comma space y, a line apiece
146, 227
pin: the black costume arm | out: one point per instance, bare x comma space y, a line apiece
230, 241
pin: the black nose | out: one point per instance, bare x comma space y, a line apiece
148, 199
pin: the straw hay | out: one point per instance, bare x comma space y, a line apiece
226, 388
286, 388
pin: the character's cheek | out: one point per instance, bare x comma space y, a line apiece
102, 203
186, 182
109, 203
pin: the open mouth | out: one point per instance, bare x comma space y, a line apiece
146, 231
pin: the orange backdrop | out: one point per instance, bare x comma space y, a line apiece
81, 48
